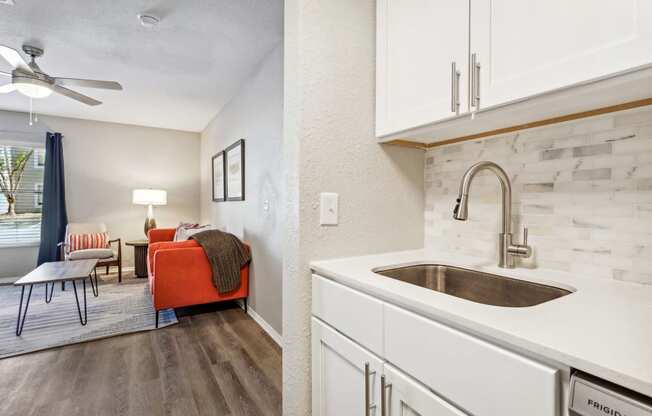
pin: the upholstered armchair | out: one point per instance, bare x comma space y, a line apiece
110, 255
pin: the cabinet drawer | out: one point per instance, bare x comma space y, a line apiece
479, 377
353, 313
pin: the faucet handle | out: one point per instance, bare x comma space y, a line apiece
521, 250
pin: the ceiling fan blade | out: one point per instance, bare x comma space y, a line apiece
7, 88
75, 95
13, 57
88, 83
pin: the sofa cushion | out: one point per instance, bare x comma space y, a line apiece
91, 253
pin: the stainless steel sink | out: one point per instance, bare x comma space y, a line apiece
475, 286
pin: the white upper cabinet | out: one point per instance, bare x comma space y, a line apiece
535, 60
418, 42
530, 47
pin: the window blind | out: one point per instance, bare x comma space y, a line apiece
25, 227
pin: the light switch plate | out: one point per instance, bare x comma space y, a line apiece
328, 207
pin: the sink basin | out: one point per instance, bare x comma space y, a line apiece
480, 287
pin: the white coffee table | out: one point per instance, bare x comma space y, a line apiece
52, 273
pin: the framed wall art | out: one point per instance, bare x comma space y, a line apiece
235, 171
219, 178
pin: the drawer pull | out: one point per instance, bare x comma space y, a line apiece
367, 390
455, 89
475, 81
383, 395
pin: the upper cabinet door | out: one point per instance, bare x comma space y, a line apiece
418, 41
527, 47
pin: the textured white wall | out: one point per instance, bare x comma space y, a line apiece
583, 188
103, 163
329, 146
255, 114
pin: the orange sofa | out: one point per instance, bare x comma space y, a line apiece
180, 274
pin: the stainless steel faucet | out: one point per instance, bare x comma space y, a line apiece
507, 249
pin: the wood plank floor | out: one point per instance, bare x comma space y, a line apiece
214, 363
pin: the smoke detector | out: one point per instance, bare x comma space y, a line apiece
148, 21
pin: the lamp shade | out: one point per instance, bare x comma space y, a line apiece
149, 197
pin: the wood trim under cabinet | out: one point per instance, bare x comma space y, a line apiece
538, 123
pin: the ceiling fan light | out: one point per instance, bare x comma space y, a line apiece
32, 89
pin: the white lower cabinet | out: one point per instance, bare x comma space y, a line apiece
479, 376
338, 375
346, 381
430, 369
407, 397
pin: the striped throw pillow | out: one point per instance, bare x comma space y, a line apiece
87, 241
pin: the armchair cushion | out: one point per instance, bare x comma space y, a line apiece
87, 241
92, 253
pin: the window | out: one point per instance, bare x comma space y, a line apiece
21, 194
39, 158
38, 195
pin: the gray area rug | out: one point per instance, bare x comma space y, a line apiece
119, 309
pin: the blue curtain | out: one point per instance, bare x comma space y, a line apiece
54, 218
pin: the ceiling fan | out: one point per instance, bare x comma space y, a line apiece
30, 80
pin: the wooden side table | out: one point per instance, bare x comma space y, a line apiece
140, 256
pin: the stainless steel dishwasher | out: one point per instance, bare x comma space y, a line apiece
590, 396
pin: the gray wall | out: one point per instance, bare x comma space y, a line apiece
329, 146
254, 114
104, 162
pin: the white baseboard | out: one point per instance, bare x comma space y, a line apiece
266, 327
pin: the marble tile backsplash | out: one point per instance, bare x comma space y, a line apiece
583, 188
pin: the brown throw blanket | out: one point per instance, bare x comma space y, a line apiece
226, 254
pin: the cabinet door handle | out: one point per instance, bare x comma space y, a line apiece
455, 89
367, 390
475, 81
383, 395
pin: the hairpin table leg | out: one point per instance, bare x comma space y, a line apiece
74, 286
48, 296
21, 321
95, 287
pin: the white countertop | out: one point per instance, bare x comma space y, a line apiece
604, 328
